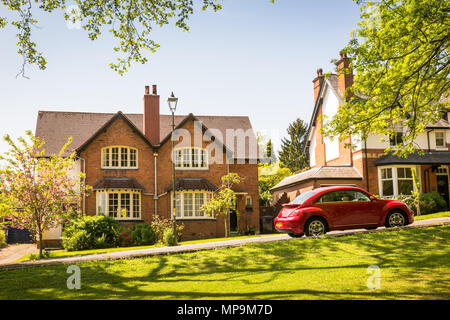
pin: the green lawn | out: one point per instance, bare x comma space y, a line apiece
414, 264
65, 254
433, 215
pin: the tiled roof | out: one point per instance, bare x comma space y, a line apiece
323, 172
56, 127
441, 124
433, 157
192, 184
118, 183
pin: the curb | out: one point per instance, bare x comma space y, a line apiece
181, 249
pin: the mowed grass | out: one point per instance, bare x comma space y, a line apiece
65, 254
432, 216
414, 264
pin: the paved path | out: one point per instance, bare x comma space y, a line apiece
205, 246
12, 252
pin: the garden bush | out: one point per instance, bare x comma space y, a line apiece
143, 234
2, 238
430, 202
169, 236
91, 232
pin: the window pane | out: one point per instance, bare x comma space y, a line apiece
101, 203
199, 200
133, 158
388, 188
401, 173
114, 157
405, 186
177, 204
194, 157
113, 204
361, 196
439, 139
125, 205
105, 157
187, 212
386, 173
203, 159
124, 157
136, 206
186, 158
177, 158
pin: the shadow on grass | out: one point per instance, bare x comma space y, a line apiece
250, 272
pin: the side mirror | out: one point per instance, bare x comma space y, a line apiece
372, 198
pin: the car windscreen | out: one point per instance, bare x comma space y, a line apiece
303, 197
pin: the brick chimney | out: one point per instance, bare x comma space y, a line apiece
151, 115
344, 74
317, 83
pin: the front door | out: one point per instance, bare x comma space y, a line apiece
233, 221
442, 183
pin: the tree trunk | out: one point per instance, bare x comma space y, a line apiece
226, 226
40, 244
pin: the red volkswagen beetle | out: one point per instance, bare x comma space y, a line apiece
321, 210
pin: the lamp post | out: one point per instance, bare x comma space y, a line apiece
173, 101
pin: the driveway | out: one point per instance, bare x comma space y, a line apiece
12, 252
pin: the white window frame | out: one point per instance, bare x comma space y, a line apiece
109, 165
444, 146
207, 195
395, 178
105, 195
185, 153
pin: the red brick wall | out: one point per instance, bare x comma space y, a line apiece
119, 133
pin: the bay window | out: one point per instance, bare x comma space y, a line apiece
395, 180
119, 204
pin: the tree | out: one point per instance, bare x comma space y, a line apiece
43, 190
269, 176
400, 58
130, 23
224, 199
292, 153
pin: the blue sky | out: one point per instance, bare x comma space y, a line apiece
252, 58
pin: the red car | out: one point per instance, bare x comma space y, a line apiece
321, 210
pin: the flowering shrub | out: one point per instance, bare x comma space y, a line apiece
169, 236
91, 232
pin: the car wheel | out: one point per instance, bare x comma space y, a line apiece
295, 235
395, 218
315, 227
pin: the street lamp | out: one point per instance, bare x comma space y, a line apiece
172, 101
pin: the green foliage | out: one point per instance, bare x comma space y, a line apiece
400, 57
269, 176
224, 199
430, 202
143, 234
2, 238
129, 22
292, 153
91, 232
171, 238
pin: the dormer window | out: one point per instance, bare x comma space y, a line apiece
119, 157
190, 158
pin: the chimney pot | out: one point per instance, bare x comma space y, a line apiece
154, 91
147, 90
320, 72
343, 54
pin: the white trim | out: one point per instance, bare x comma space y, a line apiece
395, 178
191, 167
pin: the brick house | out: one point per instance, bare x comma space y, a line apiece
365, 164
127, 159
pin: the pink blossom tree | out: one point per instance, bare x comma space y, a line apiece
44, 191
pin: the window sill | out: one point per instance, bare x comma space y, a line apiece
192, 169
119, 168
195, 219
